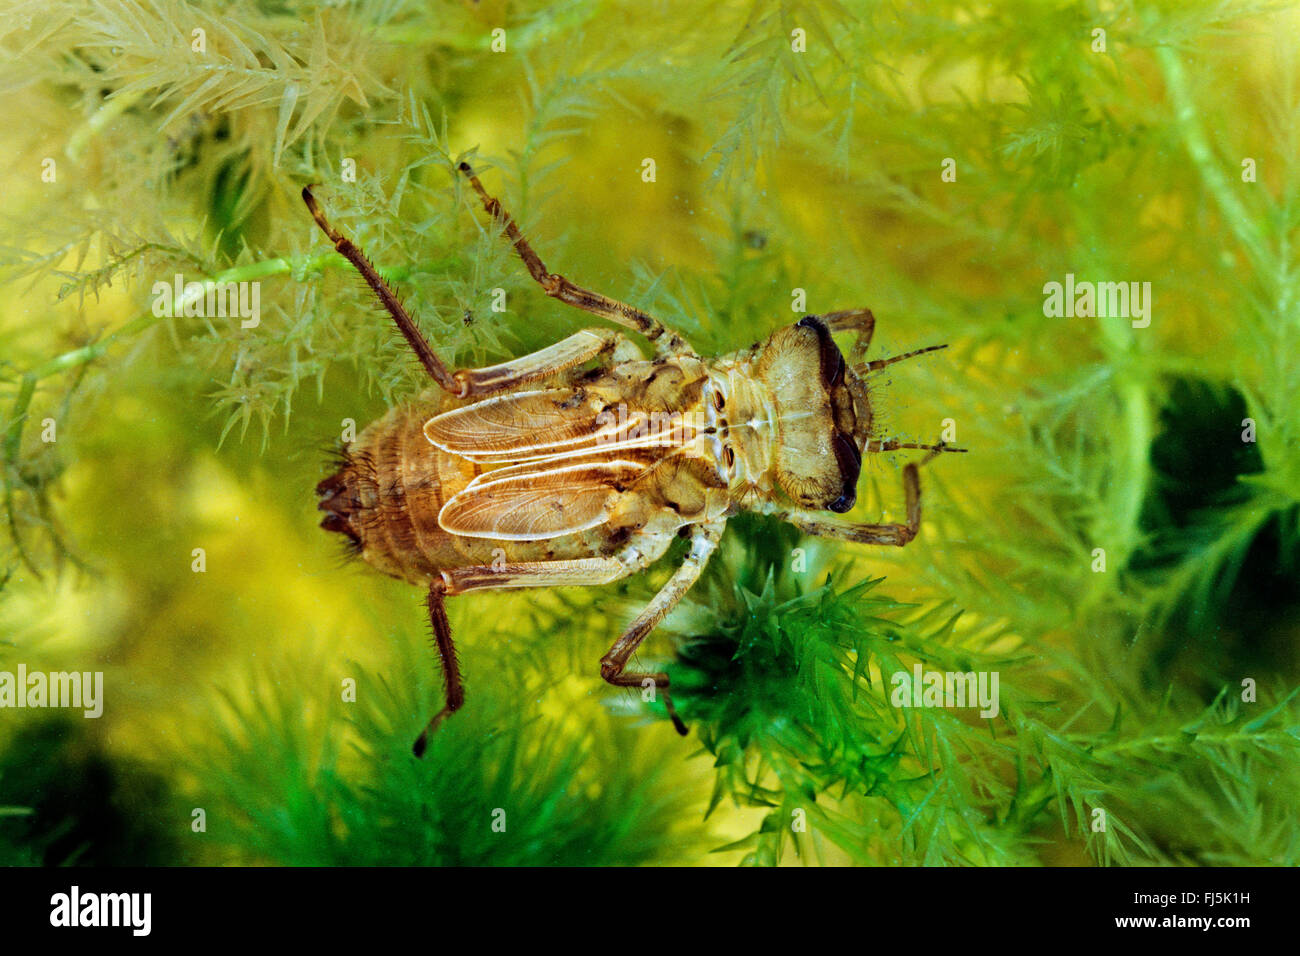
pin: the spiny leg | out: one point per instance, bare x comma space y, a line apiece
704, 542
557, 286
436, 602
469, 383
898, 535
579, 572
864, 323
594, 571
582, 571
428, 358
853, 320
552, 360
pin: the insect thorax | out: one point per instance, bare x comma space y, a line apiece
580, 466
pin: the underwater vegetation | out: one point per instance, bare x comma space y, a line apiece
1115, 562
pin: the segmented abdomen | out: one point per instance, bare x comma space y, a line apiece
388, 491
390, 485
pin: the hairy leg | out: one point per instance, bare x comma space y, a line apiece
704, 542
469, 383
583, 571
666, 341
450, 664
815, 523
853, 320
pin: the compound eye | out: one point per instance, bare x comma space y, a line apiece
831, 359
843, 503
847, 456
849, 460
837, 368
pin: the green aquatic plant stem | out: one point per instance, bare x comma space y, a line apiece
146, 320
816, 168
85, 354
110, 110
1186, 115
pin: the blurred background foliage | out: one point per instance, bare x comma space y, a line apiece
776, 169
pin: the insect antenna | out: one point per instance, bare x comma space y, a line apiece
881, 363
875, 445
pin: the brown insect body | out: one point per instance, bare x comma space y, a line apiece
547, 471
666, 444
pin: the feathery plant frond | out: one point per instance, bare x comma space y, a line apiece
341, 789
1121, 545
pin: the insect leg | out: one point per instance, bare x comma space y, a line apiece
665, 339
580, 572
535, 574
703, 543
812, 522
522, 575
466, 383
852, 320
432, 364
565, 354
450, 663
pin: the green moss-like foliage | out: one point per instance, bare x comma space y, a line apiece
1113, 545
65, 802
